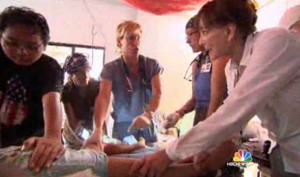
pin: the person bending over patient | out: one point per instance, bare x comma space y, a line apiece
30, 85
134, 81
78, 98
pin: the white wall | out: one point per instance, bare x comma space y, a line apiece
72, 21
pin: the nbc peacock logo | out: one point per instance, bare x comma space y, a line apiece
242, 156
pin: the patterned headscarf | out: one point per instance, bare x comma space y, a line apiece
75, 62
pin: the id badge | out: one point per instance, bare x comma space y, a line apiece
206, 67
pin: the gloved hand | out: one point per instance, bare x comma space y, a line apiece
171, 120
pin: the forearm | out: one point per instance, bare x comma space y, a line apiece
101, 109
101, 106
72, 121
218, 85
156, 95
190, 104
154, 103
187, 107
52, 115
216, 100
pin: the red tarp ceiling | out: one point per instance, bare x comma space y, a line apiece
162, 7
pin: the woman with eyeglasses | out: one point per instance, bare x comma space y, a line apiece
30, 86
267, 84
208, 80
135, 83
208, 92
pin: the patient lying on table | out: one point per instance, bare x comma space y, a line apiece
91, 162
83, 162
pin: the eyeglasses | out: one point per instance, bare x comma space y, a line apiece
17, 46
191, 34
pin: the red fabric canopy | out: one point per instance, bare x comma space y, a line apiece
162, 7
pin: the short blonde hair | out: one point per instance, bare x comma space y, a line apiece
125, 27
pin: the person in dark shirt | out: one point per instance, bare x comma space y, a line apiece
30, 86
78, 98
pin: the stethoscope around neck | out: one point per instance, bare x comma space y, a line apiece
198, 60
141, 72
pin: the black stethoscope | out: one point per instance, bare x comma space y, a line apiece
197, 59
141, 72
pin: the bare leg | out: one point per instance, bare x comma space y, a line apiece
124, 165
221, 154
112, 149
215, 160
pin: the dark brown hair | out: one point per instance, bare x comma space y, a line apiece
218, 13
23, 15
